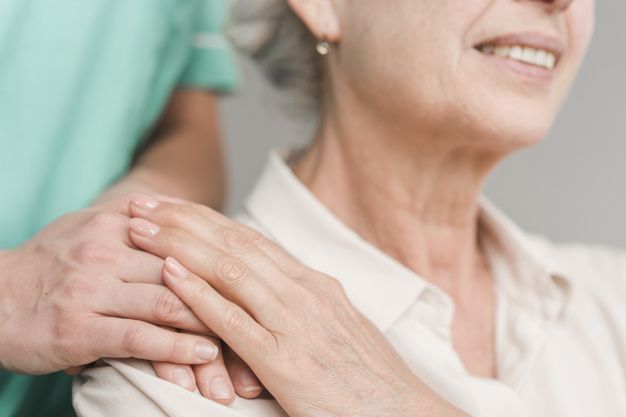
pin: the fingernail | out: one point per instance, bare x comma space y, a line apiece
143, 201
249, 381
219, 389
144, 227
206, 351
175, 269
181, 377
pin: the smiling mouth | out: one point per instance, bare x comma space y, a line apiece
537, 57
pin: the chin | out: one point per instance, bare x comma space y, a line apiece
513, 123
510, 137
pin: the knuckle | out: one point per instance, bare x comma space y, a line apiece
235, 319
333, 285
77, 289
324, 299
176, 213
133, 339
253, 235
172, 239
323, 303
178, 350
231, 271
104, 219
92, 252
235, 241
257, 239
201, 294
168, 308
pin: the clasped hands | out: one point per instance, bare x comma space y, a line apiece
295, 327
80, 290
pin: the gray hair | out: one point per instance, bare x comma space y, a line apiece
281, 44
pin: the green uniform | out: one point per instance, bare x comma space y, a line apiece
81, 82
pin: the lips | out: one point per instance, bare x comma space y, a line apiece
529, 48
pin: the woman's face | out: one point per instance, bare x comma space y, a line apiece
496, 71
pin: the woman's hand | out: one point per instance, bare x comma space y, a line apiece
80, 290
294, 326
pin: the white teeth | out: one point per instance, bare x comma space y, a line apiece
540, 58
503, 51
528, 56
516, 53
525, 54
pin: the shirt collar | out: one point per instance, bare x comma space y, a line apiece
532, 293
379, 287
533, 266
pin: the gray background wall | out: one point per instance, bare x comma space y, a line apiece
570, 188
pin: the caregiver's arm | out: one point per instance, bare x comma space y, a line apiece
80, 290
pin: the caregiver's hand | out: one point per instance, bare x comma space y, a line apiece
80, 290
295, 327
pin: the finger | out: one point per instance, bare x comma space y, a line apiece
231, 241
122, 338
233, 278
114, 223
133, 265
181, 375
154, 304
246, 384
198, 221
227, 240
203, 222
141, 267
236, 327
214, 381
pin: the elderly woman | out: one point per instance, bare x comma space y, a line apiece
418, 100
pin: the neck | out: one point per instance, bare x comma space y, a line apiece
413, 196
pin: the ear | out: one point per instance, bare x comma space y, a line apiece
320, 16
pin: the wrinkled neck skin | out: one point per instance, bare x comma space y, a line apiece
411, 193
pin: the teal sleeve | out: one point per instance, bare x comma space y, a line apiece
212, 62
35, 396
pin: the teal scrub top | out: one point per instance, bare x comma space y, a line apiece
81, 84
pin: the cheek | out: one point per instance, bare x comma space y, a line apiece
405, 53
581, 20
580, 25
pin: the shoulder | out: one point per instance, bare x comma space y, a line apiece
130, 387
